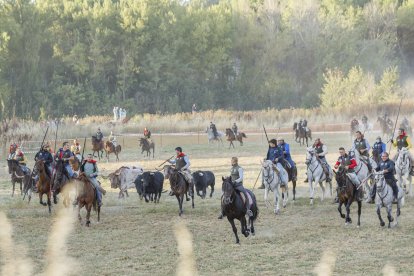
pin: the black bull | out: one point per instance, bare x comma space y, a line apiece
149, 186
203, 179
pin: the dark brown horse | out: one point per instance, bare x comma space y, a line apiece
59, 179
386, 126
110, 148
147, 146
17, 175
231, 137
233, 207
179, 186
97, 146
347, 193
44, 183
85, 194
301, 135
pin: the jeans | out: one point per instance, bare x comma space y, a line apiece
96, 186
69, 170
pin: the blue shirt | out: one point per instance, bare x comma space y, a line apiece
379, 147
388, 165
274, 154
286, 150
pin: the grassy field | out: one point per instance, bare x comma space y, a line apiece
137, 238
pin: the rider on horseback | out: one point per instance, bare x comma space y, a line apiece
182, 164
234, 129
19, 156
275, 154
65, 155
378, 148
387, 167
75, 148
236, 176
45, 155
99, 135
112, 139
363, 147
305, 125
214, 129
321, 150
403, 141
12, 151
287, 157
147, 133
348, 163
90, 169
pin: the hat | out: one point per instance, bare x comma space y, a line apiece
179, 149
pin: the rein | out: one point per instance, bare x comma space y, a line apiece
380, 190
310, 162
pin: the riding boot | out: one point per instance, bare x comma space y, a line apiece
394, 190
294, 174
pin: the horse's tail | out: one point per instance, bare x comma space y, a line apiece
243, 135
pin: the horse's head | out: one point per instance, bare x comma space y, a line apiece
39, 166
267, 168
340, 177
295, 125
13, 165
168, 170
310, 154
379, 181
228, 190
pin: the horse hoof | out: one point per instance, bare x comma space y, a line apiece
187, 199
382, 224
277, 212
343, 216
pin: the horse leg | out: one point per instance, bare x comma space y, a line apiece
234, 229
126, 193
21, 187
88, 214
266, 192
41, 199
49, 203
211, 190
285, 198
389, 215
340, 209
323, 190
348, 210
398, 212
180, 203
382, 223
307, 145
192, 198
276, 199
311, 189
294, 189
14, 184
359, 213
245, 230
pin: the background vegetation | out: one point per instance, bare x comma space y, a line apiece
160, 56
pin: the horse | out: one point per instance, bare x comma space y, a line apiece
147, 146
97, 146
386, 127
75, 164
316, 174
110, 148
212, 138
231, 137
273, 181
179, 186
402, 168
302, 134
361, 170
347, 193
17, 175
385, 198
85, 194
233, 207
44, 183
60, 178
292, 177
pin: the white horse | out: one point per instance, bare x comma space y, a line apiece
385, 197
273, 180
361, 170
365, 127
316, 174
402, 167
211, 137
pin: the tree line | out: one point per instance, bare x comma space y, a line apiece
161, 56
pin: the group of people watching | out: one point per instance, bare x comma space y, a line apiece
119, 113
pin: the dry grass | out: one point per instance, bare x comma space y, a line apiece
138, 238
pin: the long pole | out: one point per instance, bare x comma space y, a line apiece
395, 125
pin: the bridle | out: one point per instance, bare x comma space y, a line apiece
381, 188
228, 199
